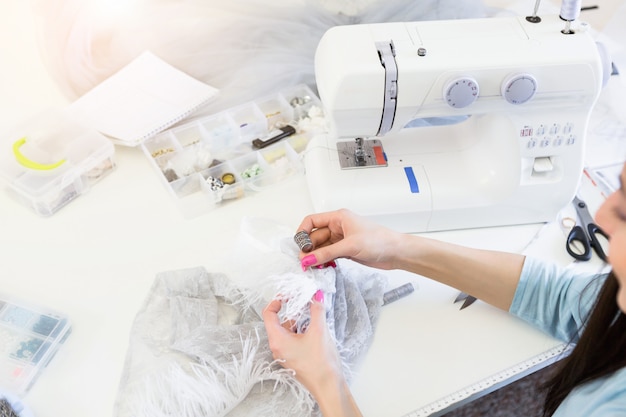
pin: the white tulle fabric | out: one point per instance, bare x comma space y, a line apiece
246, 48
198, 345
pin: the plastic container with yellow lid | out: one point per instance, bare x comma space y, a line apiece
51, 159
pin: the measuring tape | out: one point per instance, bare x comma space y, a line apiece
482, 387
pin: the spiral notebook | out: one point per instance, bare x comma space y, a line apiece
140, 100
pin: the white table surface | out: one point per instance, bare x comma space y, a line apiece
96, 258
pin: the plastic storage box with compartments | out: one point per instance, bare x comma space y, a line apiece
52, 158
30, 336
208, 162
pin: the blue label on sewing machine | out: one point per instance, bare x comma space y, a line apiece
410, 175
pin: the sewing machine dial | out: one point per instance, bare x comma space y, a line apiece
519, 88
461, 92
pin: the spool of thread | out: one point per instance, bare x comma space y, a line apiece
303, 240
397, 293
570, 10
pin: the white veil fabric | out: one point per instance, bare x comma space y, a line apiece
245, 48
198, 346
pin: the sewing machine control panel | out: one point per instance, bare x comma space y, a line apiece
519, 88
548, 136
516, 89
544, 146
461, 92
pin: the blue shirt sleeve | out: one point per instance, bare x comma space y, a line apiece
555, 299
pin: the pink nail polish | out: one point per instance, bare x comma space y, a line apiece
308, 261
319, 296
327, 264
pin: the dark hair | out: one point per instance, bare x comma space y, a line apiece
600, 351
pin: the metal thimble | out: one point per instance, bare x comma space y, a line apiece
303, 240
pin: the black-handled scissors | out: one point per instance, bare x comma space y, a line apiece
583, 238
469, 300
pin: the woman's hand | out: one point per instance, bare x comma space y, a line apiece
343, 234
313, 356
491, 276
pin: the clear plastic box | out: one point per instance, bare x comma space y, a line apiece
29, 338
51, 159
211, 161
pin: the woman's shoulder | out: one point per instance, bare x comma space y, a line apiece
604, 397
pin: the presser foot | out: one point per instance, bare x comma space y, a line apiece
361, 153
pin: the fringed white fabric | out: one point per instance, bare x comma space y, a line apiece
245, 48
219, 389
267, 265
198, 346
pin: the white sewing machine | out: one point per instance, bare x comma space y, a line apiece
521, 94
